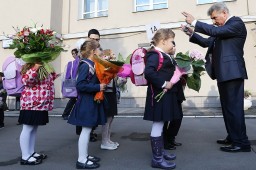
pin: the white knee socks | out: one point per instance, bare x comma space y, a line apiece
157, 129
32, 141
83, 145
27, 141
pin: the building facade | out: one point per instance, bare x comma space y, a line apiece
122, 27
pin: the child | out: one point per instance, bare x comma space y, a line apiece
36, 100
167, 108
110, 107
3, 96
72, 100
87, 112
171, 129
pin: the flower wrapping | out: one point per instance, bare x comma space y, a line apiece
37, 45
190, 64
105, 71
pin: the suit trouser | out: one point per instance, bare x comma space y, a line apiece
171, 129
1, 116
232, 103
69, 107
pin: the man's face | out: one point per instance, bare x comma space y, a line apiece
219, 17
94, 37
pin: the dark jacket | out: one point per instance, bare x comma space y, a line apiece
224, 58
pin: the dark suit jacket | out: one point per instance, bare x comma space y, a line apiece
224, 58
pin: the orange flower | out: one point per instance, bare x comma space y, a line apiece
105, 72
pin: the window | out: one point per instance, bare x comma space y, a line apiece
211, 1
95, 8
144, 5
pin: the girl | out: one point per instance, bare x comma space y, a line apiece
167, 108
87, 112
110, 109
36, 100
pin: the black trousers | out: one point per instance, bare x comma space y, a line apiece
171, 129
69, 107
232, 103
1, 117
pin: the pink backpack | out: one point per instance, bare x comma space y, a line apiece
12, 78
138, 65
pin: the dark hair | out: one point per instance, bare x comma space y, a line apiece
93, 31
1, 74
74, 50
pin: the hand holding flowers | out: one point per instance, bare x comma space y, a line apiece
191, 64
35, 45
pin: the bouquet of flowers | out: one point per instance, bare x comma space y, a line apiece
37, 45
193, 63
190, 64
106, 70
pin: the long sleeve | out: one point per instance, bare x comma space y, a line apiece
151, 73
83, 81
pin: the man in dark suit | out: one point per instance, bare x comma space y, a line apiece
225, 63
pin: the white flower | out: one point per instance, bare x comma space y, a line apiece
34, 30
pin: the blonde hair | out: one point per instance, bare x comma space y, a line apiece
87, 47
162, 34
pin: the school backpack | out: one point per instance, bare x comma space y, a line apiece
69, 80
137, 61
12, 77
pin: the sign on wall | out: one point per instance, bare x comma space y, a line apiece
7, 43
151, 29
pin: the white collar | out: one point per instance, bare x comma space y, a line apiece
159, 49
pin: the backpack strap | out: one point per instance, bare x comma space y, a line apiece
91, 68
161, 59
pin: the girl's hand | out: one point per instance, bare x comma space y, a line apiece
103, 87
168, 85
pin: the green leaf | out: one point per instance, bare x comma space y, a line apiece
198, 63
194, 82
127, 60
182, 56
183, 63
120, 57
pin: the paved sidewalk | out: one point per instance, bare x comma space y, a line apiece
138, 112
199, 150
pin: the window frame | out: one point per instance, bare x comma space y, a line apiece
95, 10
212, 1
151, 5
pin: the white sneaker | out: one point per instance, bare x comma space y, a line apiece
114, 143
108, 146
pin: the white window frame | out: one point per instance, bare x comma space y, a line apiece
95, 11
212, 1
151, 5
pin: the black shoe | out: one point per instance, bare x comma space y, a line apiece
85, 165
232, 148
224, 142
93, 158
174, 143
41, 156
93, 137
169, 147
27, 162
65, 117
